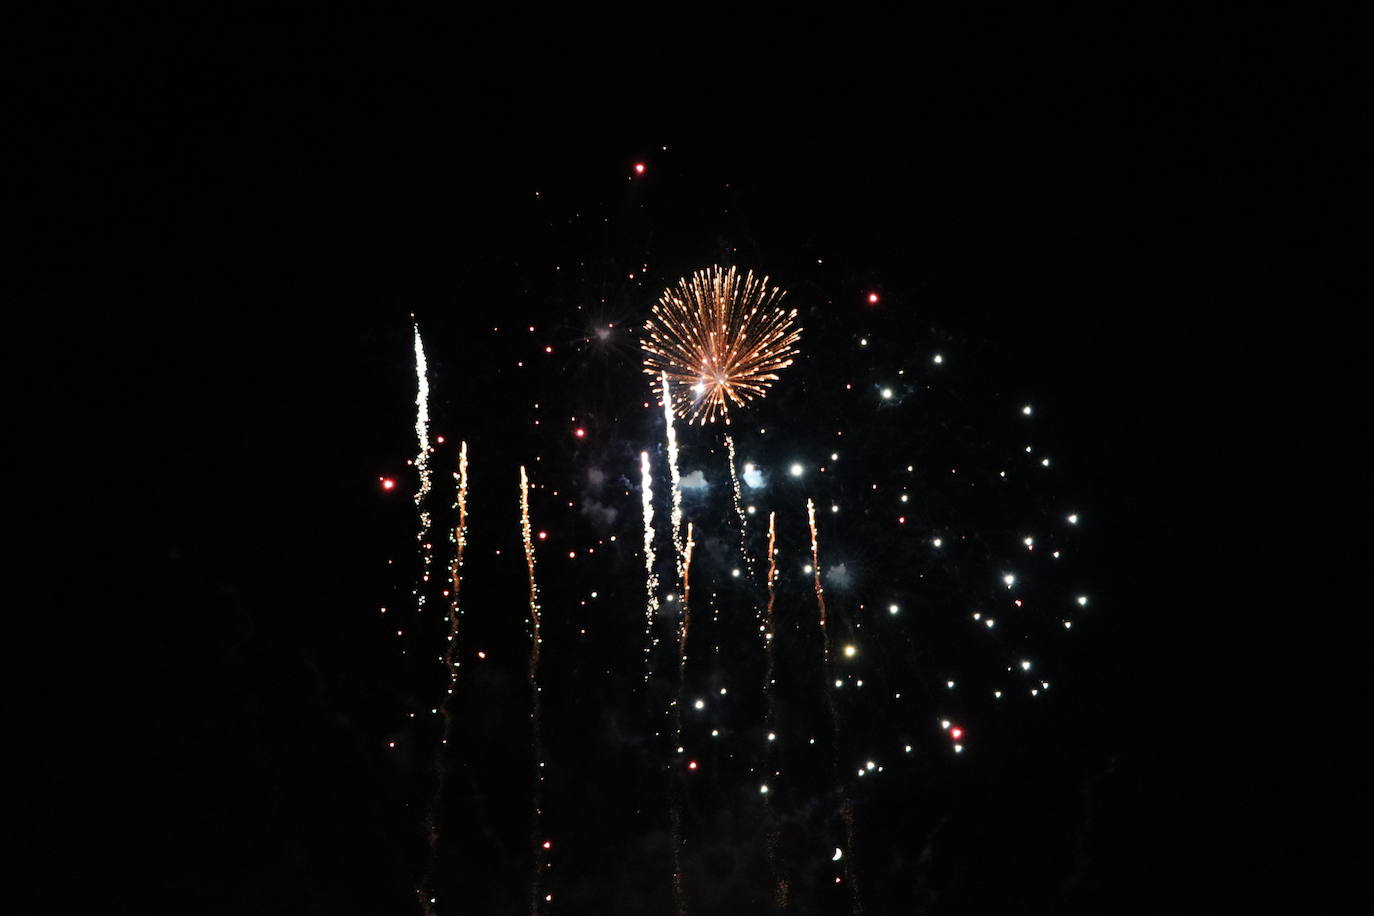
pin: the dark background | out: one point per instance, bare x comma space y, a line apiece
239, 216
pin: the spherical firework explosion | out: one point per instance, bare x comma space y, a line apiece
721, 340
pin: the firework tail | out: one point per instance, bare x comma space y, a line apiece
536, 736
780, 884
846, 807
674, 476
451, 663
646, 490
422, 467
739, 505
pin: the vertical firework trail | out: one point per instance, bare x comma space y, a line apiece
422, 465
536, 738
676, 789
450, 660
846, 808
646, 491
770, 720
674, 476
739, 505
684, 622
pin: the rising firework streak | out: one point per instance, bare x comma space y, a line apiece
536, 731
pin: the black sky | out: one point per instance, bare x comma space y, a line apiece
238, 217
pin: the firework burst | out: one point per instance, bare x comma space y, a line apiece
720, 340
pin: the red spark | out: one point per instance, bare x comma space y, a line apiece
543, 535
692, 765
579, 432
639, 168
956, 732
548, 844
872, 298
388, 483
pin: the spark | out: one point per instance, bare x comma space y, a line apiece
723, 338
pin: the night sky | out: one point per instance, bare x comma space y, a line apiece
971, 219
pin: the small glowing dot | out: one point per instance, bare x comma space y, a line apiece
1073, 519
949, 684
735, 573
1009, 580
956, 733
1068, 624
872, 300
958, 748
715, 733
887, 394
1082, 600
579, 432
692, 765
849, 651
870, 765
763, 789
863, 341
548, 844
796, 470
543, 535
939, 358
892, 608
937, 542
1026, 410
388, 483
700, 704
772, 736
806, 568
639, 168
1025, 665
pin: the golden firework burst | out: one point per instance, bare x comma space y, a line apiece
721, 339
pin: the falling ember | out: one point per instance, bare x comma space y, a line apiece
646, 490
674, 476
720, 340
388, 483
536, 738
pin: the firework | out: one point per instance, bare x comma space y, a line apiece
719, 339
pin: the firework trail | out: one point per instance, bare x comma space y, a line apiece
460, 538
675, 789
674, 475
770, 719
422, 465
846, 808
646, 490
739, 506
536, 738
684, 622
